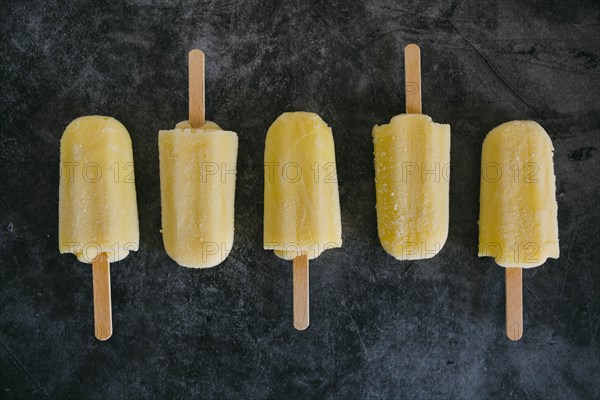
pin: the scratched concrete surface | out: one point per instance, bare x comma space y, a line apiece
379, 328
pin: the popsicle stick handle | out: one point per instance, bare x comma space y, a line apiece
102, 304
514, 303
301, 291
196, 78
412, 66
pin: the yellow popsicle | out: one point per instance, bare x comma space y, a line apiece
302, 207
197, 182
98, 219
518, 212
97, 202
412, 175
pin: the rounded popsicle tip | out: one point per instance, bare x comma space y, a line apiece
515, 129
298, 119
96, 128
291, 127
200, 260
192, 253
93, 124
403, 251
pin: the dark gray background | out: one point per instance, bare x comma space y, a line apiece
379, 328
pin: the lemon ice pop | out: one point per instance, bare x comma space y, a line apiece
412, 175
98, 220
302, 207
518, 223
197, 181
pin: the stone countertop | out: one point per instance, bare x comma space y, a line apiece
380, 328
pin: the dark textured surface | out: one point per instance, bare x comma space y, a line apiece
379, 328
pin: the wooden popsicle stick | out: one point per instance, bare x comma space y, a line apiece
412, 79
102, 304
514, 303
196, 81
301, 291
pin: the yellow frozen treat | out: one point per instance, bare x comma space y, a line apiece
412, 175
518, 211
97, 204
197, 184
302, 206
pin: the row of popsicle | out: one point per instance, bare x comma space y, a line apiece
98, 219
98, 213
